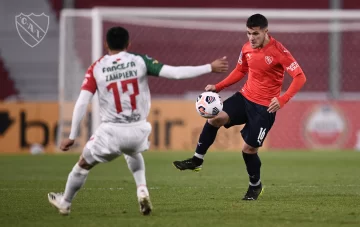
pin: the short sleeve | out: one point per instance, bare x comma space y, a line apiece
153, 66
89, 82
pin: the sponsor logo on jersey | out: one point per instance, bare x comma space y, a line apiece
116, 61
268, 59
292, 66
248, 56
240, 58
118, 67
134, 117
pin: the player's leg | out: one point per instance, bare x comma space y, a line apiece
253, 165
76, 179
100, 148
206, 139
254, 133
233, 114
136, 166
136, 143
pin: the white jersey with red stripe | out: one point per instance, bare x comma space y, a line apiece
122, 85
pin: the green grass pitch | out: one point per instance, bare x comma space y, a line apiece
301, 189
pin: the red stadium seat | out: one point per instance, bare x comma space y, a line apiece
56, 6
7, 87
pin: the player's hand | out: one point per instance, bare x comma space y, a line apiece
66, 144
274, 105
210, 87
220, 65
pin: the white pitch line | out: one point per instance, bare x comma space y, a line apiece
177, 188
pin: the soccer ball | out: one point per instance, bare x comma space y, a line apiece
209, 104
36, 149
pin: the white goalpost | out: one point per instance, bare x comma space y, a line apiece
174, 35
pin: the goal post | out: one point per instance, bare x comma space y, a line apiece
184, 36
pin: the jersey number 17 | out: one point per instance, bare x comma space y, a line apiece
124, 85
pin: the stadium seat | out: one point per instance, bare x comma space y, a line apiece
7, 88
56, 6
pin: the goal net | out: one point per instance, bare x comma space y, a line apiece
324, 42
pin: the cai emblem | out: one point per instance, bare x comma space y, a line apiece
32, 28
268, 59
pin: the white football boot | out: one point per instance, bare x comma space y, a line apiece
144, 200
55, 201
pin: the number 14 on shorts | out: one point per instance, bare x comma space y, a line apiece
261, 135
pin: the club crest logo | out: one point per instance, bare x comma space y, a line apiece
268, 59
32, 28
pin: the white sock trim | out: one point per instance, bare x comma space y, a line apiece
199, 156
256, 184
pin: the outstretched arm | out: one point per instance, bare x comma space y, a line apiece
236, 75
185, 72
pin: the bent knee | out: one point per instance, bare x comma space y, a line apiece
86, 161
84, 164
220, 120
249, 149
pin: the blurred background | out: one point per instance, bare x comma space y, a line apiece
47, 45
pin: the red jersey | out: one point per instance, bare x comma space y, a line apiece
265, 68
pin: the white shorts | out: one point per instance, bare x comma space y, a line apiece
110, 140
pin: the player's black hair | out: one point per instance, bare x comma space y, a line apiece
117, 38
257, 20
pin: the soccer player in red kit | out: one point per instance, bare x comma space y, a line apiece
265, 60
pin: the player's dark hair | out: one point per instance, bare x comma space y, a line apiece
257, 20
117, 38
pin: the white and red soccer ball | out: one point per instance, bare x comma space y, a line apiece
209, 104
